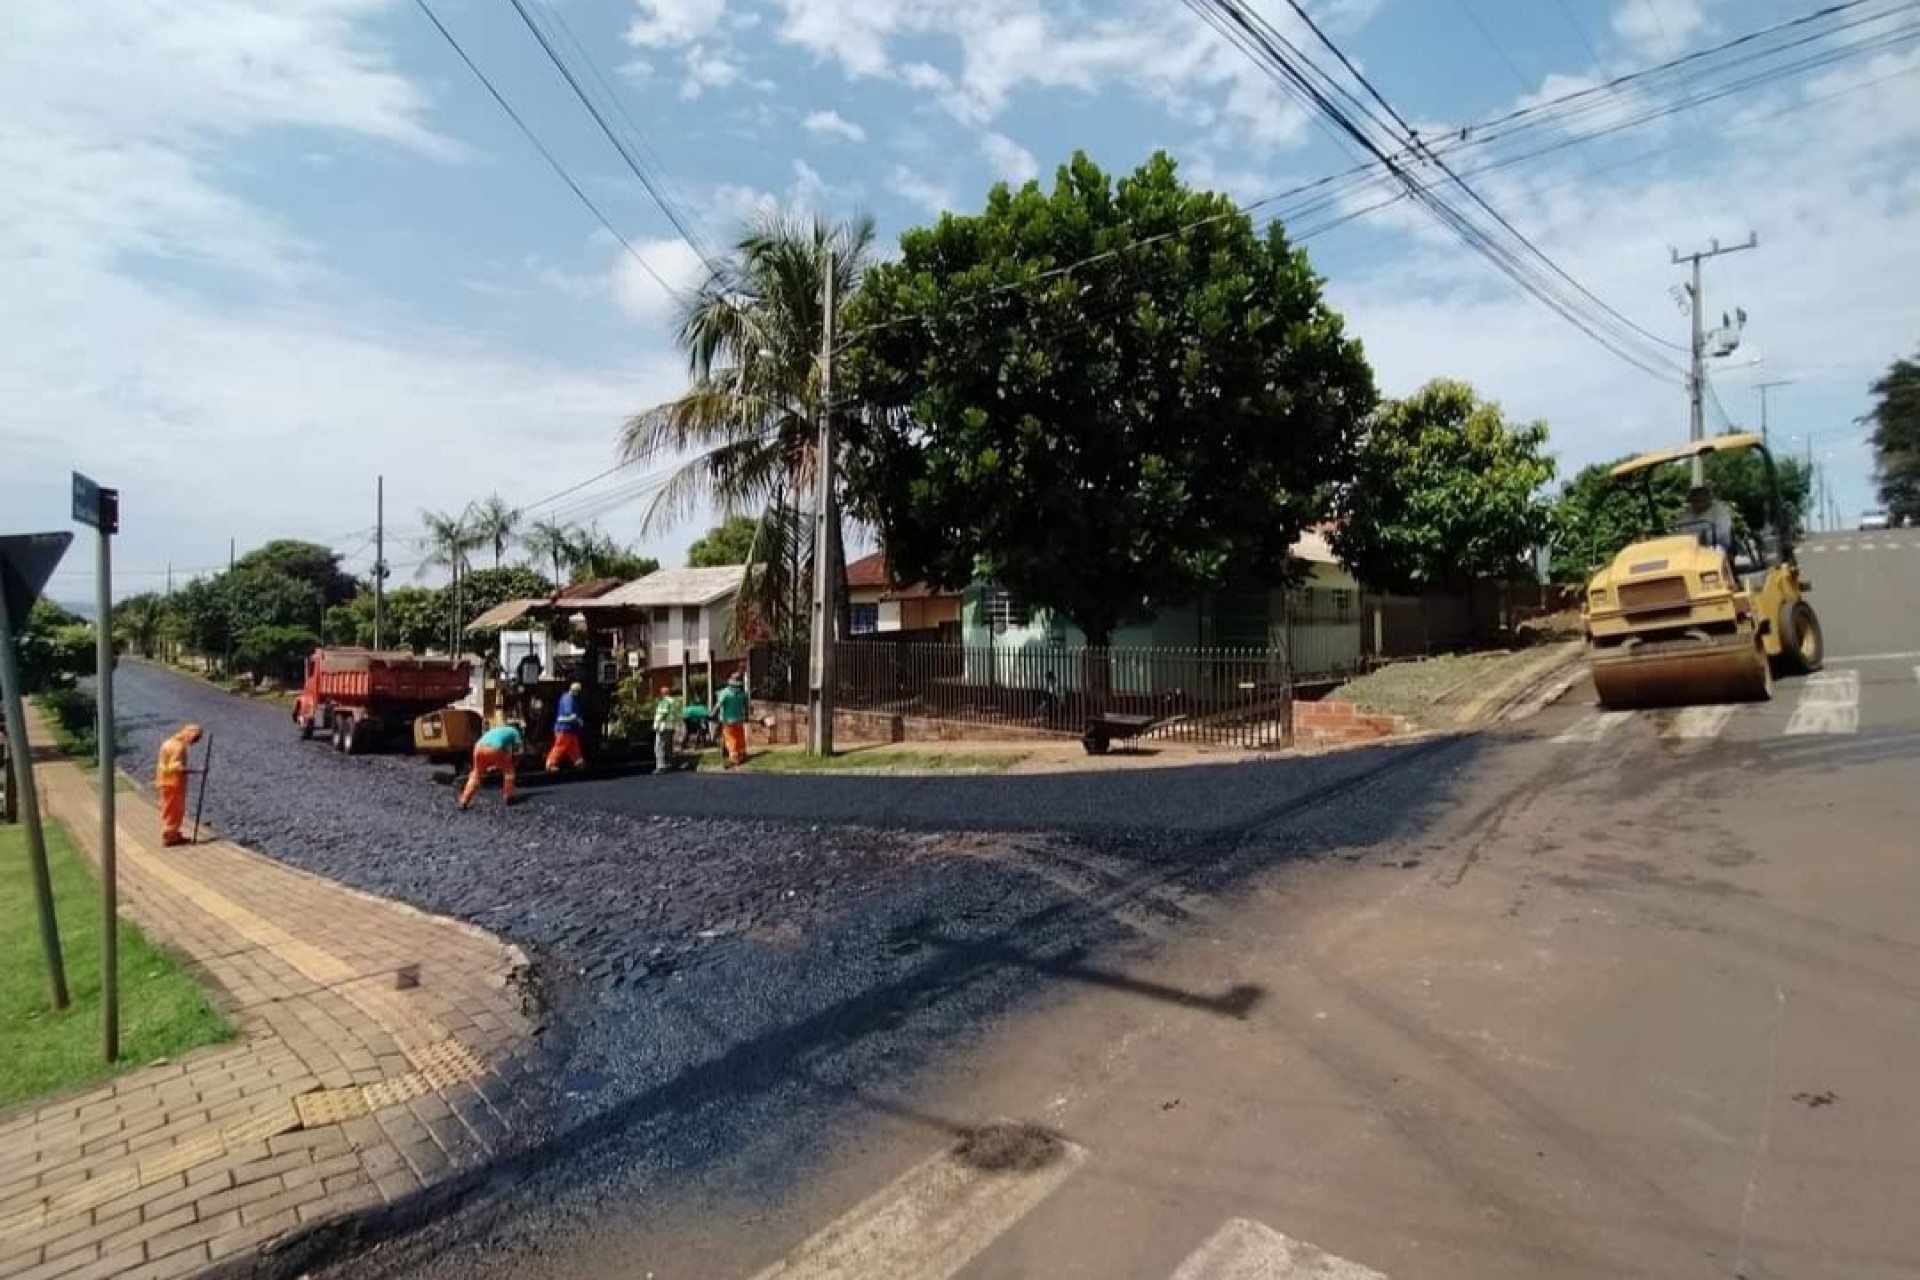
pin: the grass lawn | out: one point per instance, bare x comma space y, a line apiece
798, 760
163, 1012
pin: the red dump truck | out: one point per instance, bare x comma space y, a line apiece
363, 698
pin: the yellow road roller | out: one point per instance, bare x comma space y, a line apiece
1700, 611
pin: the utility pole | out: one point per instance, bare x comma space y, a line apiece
820, 650
1696, 371
1762, 388
379, 559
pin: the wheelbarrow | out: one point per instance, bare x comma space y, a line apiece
1108, 728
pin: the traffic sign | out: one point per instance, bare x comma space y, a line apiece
27, 560
95, 507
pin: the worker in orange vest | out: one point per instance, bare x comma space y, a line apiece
567, 724
170, 777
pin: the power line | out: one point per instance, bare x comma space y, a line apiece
1272, 51
541, 147
633, 163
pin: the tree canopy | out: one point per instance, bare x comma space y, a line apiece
1165, 418
1896, 438
1445, 491
729, 542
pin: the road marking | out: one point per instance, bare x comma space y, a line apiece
1843, 546
1869, 546
1815, 550
1695, 723
930, 1222
1878, 657
1246, 1250
1592, 727
1829, 703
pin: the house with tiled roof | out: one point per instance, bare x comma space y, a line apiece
879, 604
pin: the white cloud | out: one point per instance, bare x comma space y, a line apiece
1009, 159
1011, 46
638, 289
919, 189
833, 124
118, 124
664, 24
707, 69
1659, 28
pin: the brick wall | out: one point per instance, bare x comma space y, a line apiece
1330, 721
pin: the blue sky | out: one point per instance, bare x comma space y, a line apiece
257, 255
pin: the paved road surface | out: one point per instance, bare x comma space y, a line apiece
1641, 999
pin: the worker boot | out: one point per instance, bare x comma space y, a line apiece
173, 839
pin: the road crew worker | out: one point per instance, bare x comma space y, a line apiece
730, 708
566, 732
1708, 519
666, 719
170, 778
497, 751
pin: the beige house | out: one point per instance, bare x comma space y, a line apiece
688, 614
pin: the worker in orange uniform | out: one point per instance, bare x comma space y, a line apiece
566, 732
731, 707
170, 777
498, 751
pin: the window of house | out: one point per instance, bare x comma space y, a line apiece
690, 627
1343, 604
865, 618
1003, 609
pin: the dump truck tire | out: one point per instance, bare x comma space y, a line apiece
1803, 645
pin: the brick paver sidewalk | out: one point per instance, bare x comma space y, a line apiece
378, 1045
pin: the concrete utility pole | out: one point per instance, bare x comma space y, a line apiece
820, 665
379, 558
1762, 388
105, 518
1696, 371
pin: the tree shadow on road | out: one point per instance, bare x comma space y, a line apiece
822, 1062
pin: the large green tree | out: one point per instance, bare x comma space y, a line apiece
315, 566
1896, 438
1445, 491
54, 648
749, 423
730, 542
1107, 396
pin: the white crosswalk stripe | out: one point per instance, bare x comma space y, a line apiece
1843, 546
935, 1218
1247, 1250
1593, 726
1693, 724
1829, 703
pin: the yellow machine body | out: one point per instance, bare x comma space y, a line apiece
1671, 621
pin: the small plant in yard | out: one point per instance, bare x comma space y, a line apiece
71, 712
163, 1012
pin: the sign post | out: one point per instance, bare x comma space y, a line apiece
99, 509
26, 562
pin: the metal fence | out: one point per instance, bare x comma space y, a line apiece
1240, 697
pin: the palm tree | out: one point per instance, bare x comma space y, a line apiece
448, 543
552, 542
752, 333
494, 523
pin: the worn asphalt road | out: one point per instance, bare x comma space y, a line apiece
1593, 996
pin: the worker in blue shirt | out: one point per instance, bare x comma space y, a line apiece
498, 751
567, 724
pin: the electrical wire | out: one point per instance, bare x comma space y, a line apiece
639, 171
541, 147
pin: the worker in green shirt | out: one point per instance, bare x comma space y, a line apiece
666, 717
731, 710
